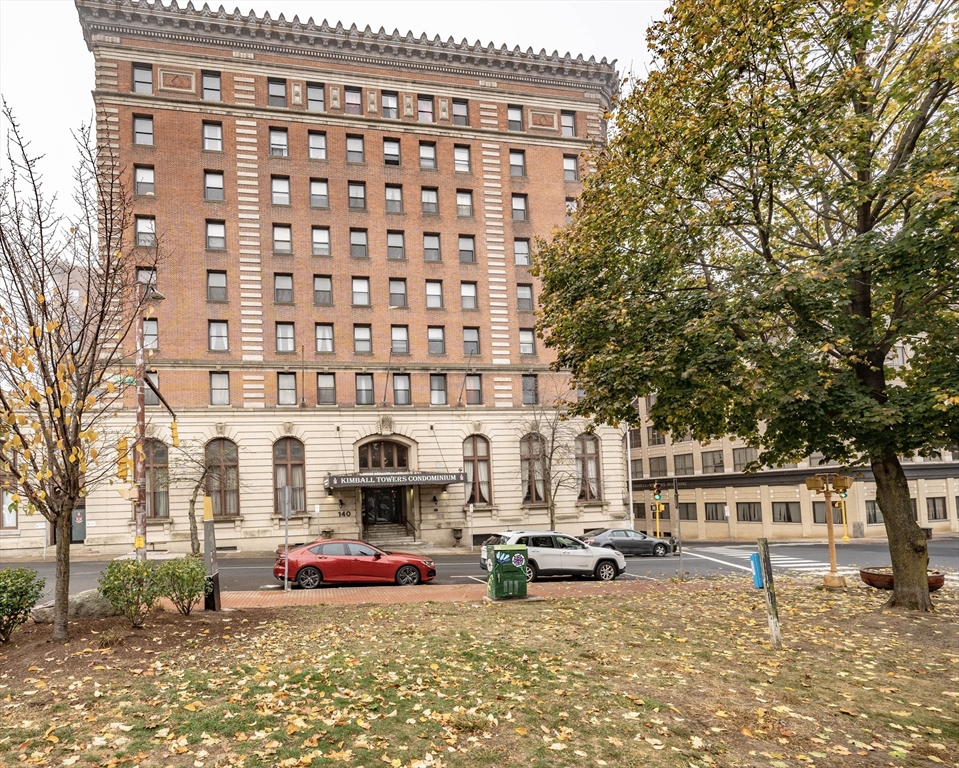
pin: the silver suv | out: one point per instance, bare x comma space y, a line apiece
551, 553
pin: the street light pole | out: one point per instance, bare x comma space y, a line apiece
826, 484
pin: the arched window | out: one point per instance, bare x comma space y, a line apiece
156, 462
476, 465
383, 454
587, 467
533, 468
223, 477
288, 470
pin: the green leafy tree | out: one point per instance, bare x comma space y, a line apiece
775, 214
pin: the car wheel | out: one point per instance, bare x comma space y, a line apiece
408, 576
608, 546
531, 572
605, 571
309, 577
659, 550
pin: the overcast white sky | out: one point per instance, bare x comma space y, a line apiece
46, 72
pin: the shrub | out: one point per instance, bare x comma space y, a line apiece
183, 581
20, 588
132, 588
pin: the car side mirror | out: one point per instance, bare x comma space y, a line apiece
377, 556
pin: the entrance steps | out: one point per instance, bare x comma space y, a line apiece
390, 537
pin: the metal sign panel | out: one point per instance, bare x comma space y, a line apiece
388, 479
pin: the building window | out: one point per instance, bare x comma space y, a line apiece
424, 109
936, 508
361, 292
149, 395
288, 470
353, 101
219, 388
145, 228
324, 337
819, 512
211, 86
212, 137
401, 389
282, 238
587, 467
147, 276
315, 97
391, 152
431, 248
319, 193
749, 511
427, 155
8, 511
461, 112
467, 249
533, 468
657, 466
279, 142
683, 464
464, 203
524, 297
473, 385
635, 438
530, 389
399, 339
436, 340
567, 121
364, 391
471, 341
397, 293
213, 185
434, 294
438, 389
570, 209
276, 92
354, 149
359, 248
216, 286
280, 190
461, 159
786, 512
514, 117
715, 511
476, 467
468, 298
570, 168
283, 289
517, 162
216, 235
223, 477
527, 341
520, 208
357, 193
687, 511
286, 389
390, 105
322, 290
151, 334
395, 246
430, 199
321, 241
285, 338
873, 513
394, 198
713, 463
143, 131
142, 78
157, 470
636, 466
219, 336
384, 454
326, 389
742, 457
317, 146
362, 339
521, 253
143, 180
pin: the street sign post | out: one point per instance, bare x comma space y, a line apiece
285, 506
212, 599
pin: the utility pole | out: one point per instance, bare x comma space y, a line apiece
826, 484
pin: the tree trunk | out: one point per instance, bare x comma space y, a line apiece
907, 543
61, 593
194, 535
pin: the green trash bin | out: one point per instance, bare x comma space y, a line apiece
507, 576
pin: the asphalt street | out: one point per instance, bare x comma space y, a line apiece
700, 559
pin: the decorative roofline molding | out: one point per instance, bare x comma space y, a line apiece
235, 30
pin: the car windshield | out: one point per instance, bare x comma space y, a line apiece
595, 532
493, 540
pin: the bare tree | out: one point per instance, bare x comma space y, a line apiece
68, 311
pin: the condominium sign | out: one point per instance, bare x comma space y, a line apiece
386, 479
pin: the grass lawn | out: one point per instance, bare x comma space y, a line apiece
681, 677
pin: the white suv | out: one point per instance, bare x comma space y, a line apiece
551, 553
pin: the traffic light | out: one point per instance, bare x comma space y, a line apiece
843, 493
841, 484
174, 435
657, 492
123, 463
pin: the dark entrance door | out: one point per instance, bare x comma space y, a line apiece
382, 506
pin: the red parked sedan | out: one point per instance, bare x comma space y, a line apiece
341, 561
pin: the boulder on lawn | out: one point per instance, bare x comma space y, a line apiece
83, 605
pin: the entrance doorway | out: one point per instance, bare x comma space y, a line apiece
383, 506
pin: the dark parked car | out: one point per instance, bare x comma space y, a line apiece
340, 561
630, 542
